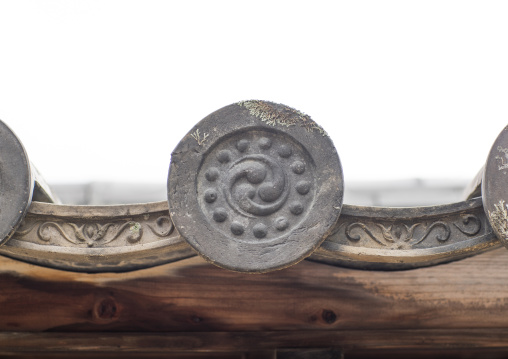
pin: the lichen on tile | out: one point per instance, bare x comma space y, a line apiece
282, 115
499, 219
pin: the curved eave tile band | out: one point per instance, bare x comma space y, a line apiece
125, 238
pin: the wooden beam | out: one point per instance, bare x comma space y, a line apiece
192, 305
260, 342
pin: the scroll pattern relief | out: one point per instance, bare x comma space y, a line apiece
404, 234
96, 234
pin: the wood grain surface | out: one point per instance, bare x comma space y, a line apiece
192, 305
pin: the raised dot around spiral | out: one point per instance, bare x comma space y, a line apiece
220, 215
242, 145
303, 187
210, 195
212, 174
224, 156
237, 228
298, 167
296, 208
285, 151
281, 223
260, 230
265, 143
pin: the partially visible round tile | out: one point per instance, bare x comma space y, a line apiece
16, 183
495, 187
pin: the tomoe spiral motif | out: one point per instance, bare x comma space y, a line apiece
256, 185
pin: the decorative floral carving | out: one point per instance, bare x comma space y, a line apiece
397, 234
91, 233
394, 233
404, 236
95, 234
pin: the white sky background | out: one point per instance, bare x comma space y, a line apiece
104, 90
